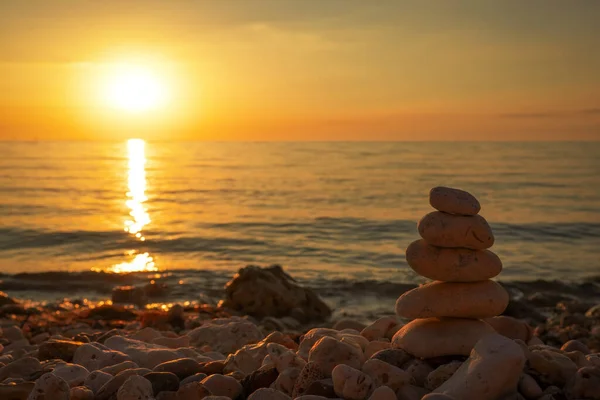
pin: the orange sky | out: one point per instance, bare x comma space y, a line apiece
304, 69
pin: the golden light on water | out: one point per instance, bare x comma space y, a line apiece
136, 198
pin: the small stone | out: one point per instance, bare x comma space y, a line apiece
329, 352
461, 300
437, 396
199, 377
12, 333
323, 387
384, 374
555, 367
183, 367
225, 337
511, 327
375, 346
96, 380
434, 337
81, 393
310, 397
93, 357
447, 230
350, 383
135, 388
284, 358
221, 385
50, 386
110, 388
380, 328
418, 370
268, 394
452, 264
396, 357
162, 381
286, 380
383, 393
116, 368
172, 343
586, 384
493, 369
311, 372
261, 378
73, 374
575, 345
313, 336
441, 374
58, 349
21, 368
348, 324
19, 391
168, 395
146, 334
192, 391
453, 201
529, 388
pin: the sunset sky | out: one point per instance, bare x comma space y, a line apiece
301, 69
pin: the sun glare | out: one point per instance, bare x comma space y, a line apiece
135, 89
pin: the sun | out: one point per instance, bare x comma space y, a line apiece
135, 89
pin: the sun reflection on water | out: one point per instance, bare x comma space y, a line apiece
136, 197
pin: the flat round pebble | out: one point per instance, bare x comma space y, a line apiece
453, 201
447, 230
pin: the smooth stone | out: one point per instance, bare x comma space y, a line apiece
192, 391
122, 366
348, 324
261, 378
441, 374
384, 374
452, 264
492, 370
135, 388
183, 367
50, 386
575, 345
20, 368
286, 380
221, 385
310, 397
437, 396
93, 357
554, 366
329, 352
284, 358
19, 391
162, 381
81, 393
73, 374
170, 396
375, 346
96, 380
510, 327
380, 328
453, 299
396, 357
447, 230
350, 383
268, 394
586, 384
172, 343
313, 336
199, 377
225, 336
110, 388
529, 388
61, 349
383, 393
453, 201
418, 370
434, 337
12, 333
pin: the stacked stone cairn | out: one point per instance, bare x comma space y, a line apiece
447, 313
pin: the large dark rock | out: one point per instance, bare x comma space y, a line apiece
263, 292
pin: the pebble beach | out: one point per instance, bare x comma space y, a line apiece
465, 335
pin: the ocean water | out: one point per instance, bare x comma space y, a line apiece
324, 211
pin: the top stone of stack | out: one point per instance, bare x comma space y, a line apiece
453, 201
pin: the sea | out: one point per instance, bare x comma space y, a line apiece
77, 218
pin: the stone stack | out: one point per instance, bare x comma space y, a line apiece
447, 313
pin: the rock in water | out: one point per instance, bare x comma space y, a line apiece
491, 372
452, 264
453, 299
447, 230
263, 292
434, 337
453, 201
